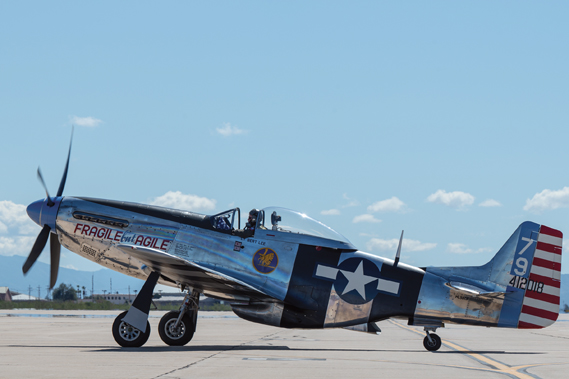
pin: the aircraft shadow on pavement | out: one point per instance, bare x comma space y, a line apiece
222, 348
489, 352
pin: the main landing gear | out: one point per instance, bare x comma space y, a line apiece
177, 328
127, 335
432, 342
131, 329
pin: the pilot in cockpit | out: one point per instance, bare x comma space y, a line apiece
249, 229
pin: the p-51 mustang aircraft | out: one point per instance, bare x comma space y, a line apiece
292, 271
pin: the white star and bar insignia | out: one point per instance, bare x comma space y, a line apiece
357, 280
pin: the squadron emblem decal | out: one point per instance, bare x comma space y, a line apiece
265, 260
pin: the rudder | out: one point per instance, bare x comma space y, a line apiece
533, 292
542, 293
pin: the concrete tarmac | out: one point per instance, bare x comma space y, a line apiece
79, 344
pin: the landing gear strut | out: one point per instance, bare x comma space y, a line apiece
432, 342
177, 328
131, 328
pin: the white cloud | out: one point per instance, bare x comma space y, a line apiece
490, 203
548, 200
178, 200
14, 220
229, 130
460, 248
457, 199
20, 245
89, 122
389, 205
14, 215
351, 202
365, 218
330, 212
381, 245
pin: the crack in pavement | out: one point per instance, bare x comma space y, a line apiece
549, 335
213, 355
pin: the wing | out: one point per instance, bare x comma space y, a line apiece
212, 283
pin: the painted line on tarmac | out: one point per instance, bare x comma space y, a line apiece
495, 366
284, 359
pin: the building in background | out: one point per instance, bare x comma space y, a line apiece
115, 298
5, 294
25, 297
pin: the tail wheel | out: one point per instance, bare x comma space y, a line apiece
176, 336
434, 343
128, 336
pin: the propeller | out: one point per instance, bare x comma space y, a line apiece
47, 211
50, 202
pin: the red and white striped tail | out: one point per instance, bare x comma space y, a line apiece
541, 305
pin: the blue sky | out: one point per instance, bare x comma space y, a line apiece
446, 119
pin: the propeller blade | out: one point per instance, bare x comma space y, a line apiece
37, 248
64, 177
40, 177
55, 250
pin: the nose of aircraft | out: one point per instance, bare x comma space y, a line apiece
44, 212
34, 211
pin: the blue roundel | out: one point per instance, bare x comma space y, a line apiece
356, 282
265, 260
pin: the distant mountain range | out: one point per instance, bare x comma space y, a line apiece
11, 276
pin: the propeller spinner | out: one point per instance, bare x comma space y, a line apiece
44, 213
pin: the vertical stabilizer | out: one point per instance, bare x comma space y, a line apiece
532, 294
541, 301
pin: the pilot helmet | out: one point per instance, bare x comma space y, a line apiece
253, 213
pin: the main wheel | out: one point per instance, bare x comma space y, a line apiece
128, 336
434, 344
180, 335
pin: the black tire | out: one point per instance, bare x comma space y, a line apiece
182, 335
434, 344
127, 335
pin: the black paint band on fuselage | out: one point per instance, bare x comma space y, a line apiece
182, 217
308, 296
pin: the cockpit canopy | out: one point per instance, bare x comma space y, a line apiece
287, 220
225, 221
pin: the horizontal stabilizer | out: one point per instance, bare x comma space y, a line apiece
471, 290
